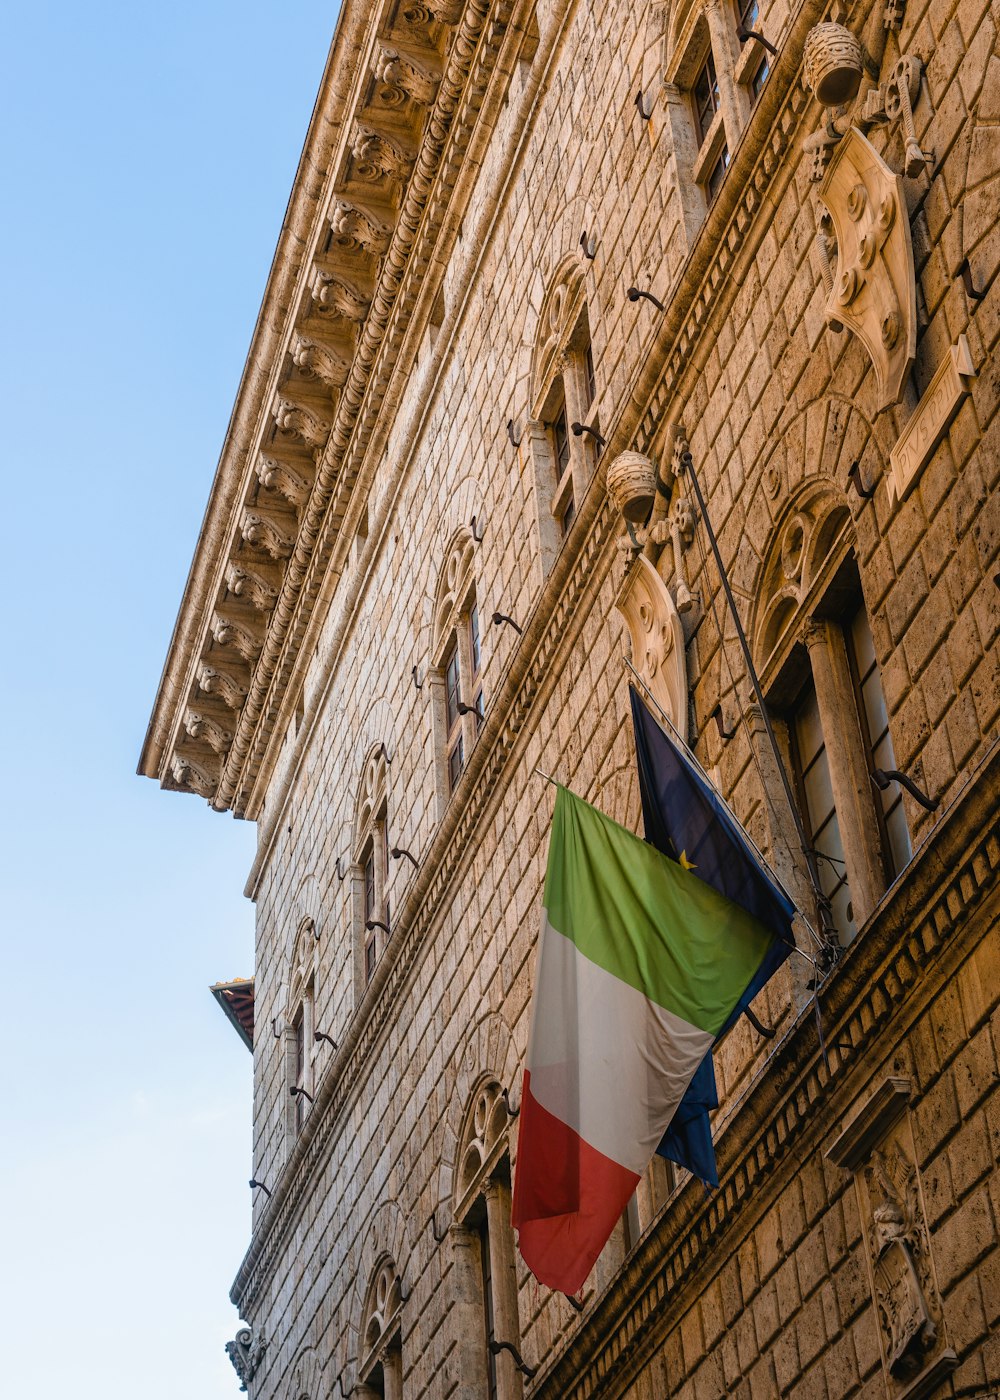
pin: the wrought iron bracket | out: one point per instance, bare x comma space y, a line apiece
497, 1347
634, 293
511, 1112
882, 777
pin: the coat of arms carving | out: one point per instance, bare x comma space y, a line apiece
874, 289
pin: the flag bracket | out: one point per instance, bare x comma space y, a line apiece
767, 1032
511, 1112
438, 1239
497, 1347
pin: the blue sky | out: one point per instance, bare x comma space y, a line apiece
147, 156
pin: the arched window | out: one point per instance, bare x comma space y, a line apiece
457, 676
712, 80
818, 663
300, 1030
563, 393
484, 1244
371, 868
380, 1356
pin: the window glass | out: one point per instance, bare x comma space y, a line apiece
588, 370
560, 443
474, 644
749, 14
451, 686
718, 173
456, 762
491, 1361
706, 96
368, 861
820, 812
568, 515
760, 76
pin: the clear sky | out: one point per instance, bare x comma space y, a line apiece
147, 156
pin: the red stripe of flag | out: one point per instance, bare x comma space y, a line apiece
567, 1197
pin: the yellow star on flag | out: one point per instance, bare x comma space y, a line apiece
687, 864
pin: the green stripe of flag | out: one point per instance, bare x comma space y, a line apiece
646, 920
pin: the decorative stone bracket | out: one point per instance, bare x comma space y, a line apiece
246, 1354
893, 102
877, 1147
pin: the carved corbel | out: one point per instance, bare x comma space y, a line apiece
242, 633
417, 16
259, 585
335, 298
210, 727
194, 772
877, 1146
294, 420
354, 227
229, 683
375, 155
315, 361
271, 531
399, 71
657, 638
246, 1354
278, 476
874, 291
893, 103
681, 521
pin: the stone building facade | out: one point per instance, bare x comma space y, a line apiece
417, 583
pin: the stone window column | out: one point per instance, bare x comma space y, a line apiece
504, 1276
392, 1373
682, 152
465, 1316
733, 99
852, 789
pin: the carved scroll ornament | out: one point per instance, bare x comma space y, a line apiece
874, 289
657, 638
246, 1354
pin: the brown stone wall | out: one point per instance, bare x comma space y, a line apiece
781, 1305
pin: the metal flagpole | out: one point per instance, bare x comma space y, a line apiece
687, 464
761, 858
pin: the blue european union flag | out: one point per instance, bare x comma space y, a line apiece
686, 819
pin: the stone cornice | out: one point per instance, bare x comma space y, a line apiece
303, 410
795, 1099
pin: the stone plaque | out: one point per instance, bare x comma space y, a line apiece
930, 419
877, 1146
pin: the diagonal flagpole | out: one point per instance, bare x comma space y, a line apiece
762, 860
687, 465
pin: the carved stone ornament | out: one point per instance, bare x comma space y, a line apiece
893, 102
631, 484
315, 361
199, 772
335, 298
229, 684
930, 419
832, 64
296, 421
681, 534
211, 728
874, 290
246, 1353
353, 227
242, 633
375, 155
399, 71
288, 481
877, 1145
271, 531
657, 638
259, 584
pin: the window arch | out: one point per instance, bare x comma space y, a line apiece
370, 871
380, 1352
817, 659
457, 676
485, 1254
563, 393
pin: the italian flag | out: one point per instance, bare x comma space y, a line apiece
640, 964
